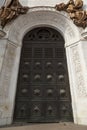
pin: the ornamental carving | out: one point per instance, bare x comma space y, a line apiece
11, 10
81, 87
75, 11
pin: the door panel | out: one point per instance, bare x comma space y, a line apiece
43, 93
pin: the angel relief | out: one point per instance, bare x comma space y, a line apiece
13, 8
10, 10
75, 10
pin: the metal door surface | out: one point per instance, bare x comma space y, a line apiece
43, 92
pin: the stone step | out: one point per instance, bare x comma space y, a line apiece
50, 126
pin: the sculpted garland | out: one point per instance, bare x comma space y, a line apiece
12, 9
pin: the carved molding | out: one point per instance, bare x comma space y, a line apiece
6, 71
51, 18
84, 35
81, 88
2, 33
75, 11
11, 10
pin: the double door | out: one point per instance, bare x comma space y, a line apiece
43, 93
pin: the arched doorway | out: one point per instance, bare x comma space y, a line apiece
43, 93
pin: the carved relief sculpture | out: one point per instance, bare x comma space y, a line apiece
75, 10
11, 10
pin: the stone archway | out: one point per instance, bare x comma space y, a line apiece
39, 17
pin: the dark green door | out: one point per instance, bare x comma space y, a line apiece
43, 93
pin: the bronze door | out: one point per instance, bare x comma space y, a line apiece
43, 93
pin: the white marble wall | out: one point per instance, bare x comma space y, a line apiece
78, 81
7, 62
10, 47
52, 3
